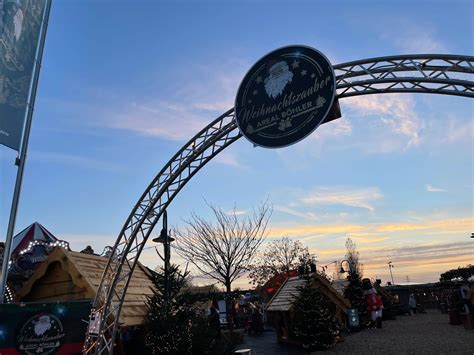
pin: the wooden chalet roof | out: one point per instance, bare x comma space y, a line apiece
68, 275
283, 299
286, 294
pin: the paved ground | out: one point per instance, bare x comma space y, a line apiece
427, 333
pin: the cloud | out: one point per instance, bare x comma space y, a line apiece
295, 212
361, 198
459, 130
198, 99
408, 258
414, 38
159, 119
395, 112
452, 225
307, 230
230, 159
329, 136
431, 188
236, 212
399, 230
76, 160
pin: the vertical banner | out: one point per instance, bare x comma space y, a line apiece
20, 23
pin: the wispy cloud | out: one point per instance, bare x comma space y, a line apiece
295, 212
459, 130
159, 119
236, 212
414, 38
230, 159
330, 136
76, 160
397, 125
361, 198
379, 230
431, 188
193, 104
452, 225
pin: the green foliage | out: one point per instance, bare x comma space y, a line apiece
461, 273
176, 326
315, 319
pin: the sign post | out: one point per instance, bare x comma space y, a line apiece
285, 96
20, 161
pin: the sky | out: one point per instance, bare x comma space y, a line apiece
124, 84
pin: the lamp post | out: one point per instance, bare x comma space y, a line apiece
324, 267
390, 266
342, 271
165, 239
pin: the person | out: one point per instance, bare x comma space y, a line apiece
257, 324
214, 323
471, 298
412, 303
375, 306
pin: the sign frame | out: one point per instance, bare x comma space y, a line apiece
332, 111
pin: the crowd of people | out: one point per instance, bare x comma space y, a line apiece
244, 315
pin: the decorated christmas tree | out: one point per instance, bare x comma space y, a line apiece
315, 322
173, 324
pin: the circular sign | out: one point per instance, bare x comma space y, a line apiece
41, 334
285, 96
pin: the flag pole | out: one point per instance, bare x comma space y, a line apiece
20, 161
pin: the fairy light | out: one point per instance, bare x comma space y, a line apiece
9, 295
33, 243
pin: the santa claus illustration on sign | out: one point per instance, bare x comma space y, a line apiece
279, 75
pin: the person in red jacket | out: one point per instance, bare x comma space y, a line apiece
375, 306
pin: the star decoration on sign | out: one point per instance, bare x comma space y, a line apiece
295, 64
255, 92
258, 80
303, 72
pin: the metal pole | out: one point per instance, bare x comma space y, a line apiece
390, 268
166, 246
23, 150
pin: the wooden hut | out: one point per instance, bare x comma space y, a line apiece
281, 311
68, 275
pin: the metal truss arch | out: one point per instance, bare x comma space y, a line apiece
416, 73
424, 73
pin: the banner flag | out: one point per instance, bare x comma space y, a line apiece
20, 25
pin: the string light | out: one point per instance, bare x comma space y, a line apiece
9, 295
33, 243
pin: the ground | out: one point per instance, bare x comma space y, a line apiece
427, 333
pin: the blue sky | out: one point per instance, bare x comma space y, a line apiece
125, 84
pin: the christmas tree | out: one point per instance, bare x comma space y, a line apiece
173, 324
315, 322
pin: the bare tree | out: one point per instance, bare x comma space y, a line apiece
352, 256
279, 256
222, 250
